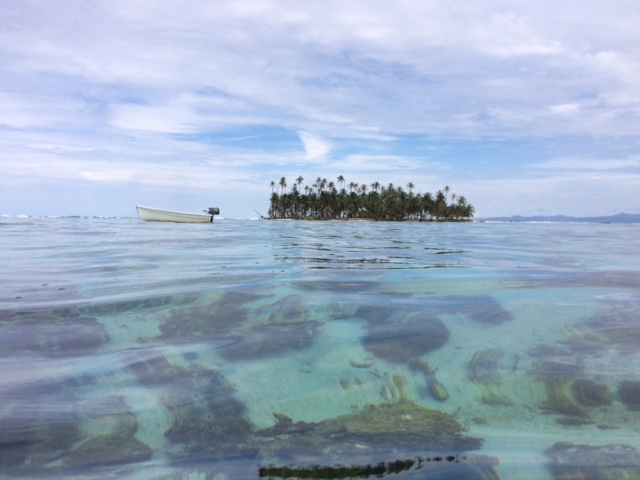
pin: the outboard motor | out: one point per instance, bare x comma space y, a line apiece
213, 211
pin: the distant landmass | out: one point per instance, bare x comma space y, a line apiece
619, 218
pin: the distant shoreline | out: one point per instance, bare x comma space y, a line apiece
618, 218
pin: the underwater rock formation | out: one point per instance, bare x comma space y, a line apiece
491, 365
614, 326
556, 368
34, 442
207, 419
436, 389
120, 446
123, 306
374, 313
587, 462
267, 339
34, 332
32, 434
405, 337
151, 367
588, 393
629, 394
289, 309
374, 429
479, 308
200, 322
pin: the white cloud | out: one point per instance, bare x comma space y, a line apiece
315, 147
565, 109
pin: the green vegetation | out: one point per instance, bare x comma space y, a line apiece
329, 201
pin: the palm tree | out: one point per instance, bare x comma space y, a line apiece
324, 201
410, 186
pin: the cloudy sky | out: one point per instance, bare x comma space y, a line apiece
522, 107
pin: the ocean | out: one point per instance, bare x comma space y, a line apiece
249, 349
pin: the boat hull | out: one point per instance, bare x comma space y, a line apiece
157, 215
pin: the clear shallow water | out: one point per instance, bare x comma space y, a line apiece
254, 349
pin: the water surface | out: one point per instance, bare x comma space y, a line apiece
276, 349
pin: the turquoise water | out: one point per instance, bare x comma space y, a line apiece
276, 349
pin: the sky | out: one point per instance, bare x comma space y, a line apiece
525, 108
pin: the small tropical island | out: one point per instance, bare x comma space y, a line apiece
327, 200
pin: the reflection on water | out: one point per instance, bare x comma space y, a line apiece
319, 350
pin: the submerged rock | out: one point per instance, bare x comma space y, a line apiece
402, 425
405, 337
120, 446
264, 340
289, 309
35, 333
436, 389
614, 326
629, 394
197, 322
31, 443
491, 365
123, 306
479, 308
588, 393
586, 462
556, 368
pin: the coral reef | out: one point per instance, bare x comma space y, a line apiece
586, 462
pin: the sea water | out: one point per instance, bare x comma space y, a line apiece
298, 349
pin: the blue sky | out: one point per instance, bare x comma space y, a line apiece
522, 107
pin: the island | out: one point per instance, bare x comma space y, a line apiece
327, 200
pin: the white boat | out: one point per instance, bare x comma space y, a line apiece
157, 215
